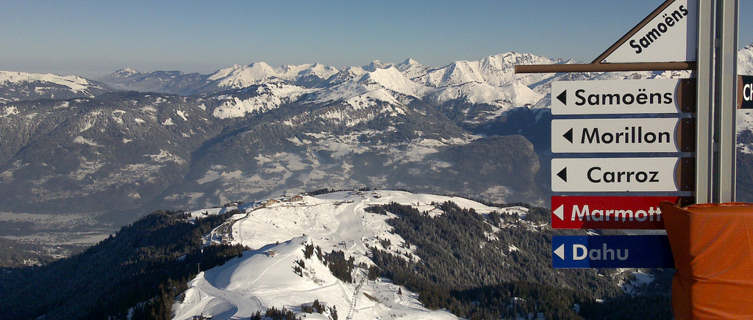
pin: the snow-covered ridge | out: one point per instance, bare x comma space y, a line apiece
241, 76
268, 96
490, 80
391, 78
278, 229
75, 83
125, 72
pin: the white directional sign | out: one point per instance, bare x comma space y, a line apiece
615, 97
670, 35
615, 135
614, 174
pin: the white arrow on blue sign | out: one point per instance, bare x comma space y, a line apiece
645, 251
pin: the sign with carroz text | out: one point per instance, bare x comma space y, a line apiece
655, 174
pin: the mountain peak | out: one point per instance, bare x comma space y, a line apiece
240, 76
376, 64
391, 78
260, 64
410, 62
125, 72
412, 68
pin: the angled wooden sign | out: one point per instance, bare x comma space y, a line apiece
668, 34
665, 40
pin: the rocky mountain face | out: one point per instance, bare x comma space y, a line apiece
96, 154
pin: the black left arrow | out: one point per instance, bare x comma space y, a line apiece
563, 174
569, 135
563, 97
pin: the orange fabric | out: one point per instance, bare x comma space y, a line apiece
712, 245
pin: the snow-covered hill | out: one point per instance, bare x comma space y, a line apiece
263, 97
241, 76
15, 86
278, 230
74, 83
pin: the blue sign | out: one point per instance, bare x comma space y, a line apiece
649, 251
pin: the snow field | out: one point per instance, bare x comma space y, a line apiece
277, 231
75, 83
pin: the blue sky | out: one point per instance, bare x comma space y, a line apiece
94, 38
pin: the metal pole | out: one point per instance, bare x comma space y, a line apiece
726, 99
704, 111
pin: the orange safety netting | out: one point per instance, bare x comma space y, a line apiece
712, 245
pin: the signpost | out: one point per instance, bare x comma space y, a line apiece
640, 118
651, 251
697, 35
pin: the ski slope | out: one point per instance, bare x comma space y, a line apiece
277, 231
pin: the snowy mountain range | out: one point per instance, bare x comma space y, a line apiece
490, 80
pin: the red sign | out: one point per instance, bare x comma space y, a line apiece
608, 212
